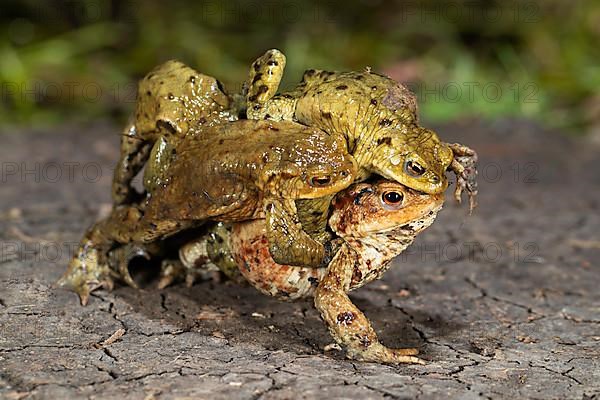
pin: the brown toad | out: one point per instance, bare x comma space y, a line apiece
229, 172
375, 221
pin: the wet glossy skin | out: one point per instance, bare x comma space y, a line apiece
377, 117
375, 222
253, 169
171, 98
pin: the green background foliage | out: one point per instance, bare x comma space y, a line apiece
79, 60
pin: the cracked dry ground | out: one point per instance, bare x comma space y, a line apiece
503, 304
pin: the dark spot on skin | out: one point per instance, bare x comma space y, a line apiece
316, 213
361, 194
341, 87
374, 102
148, 93
318, 92
257, 78
326, 115
192, 79
271, 127
256, 66
406, 227
202, 120
161, 82
221, 141
153, 225
253, 98
161, 124
309, 72
313, 281
272, 63
385, 122
267, 116
265, 159
287, 96
356, 275
346, 317
150, 76
262, 89
359, 78
174, 152
170, 96
256, 106
387, 140
373, 87
364, 340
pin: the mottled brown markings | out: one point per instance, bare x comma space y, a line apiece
341, 87
346, 317
262, 89
257, 78
272, 63
385, 122
326, 115
373, 102
364, 340
387, 140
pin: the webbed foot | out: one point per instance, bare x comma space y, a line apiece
464, 166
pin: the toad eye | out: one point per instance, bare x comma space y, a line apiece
392, 198
413, 168
320, 181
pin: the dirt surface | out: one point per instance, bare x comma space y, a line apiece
503, 304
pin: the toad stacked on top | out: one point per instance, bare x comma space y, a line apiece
208, 163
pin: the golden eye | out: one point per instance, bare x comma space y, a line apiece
319, 181
413, 168
392, 198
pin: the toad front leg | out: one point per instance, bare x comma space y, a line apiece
347, 324
288, 243
134, 153
464, 166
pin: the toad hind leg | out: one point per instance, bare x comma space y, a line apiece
288, 243
347, 324
262, 85
464, 166
89, 269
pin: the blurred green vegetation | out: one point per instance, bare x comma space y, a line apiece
78, 60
